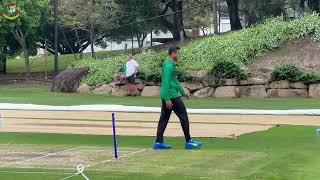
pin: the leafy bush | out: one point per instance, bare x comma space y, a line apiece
287, 72
294, 74
227, 70
246, 45
310, 78
241, 47
102, 70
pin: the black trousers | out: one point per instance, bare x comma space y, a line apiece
180, 110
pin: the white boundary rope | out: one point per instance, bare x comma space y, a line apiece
138, 109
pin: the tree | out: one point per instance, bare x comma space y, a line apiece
3, 58
174, 21
254, 11
136, 14
25, 28
199, 17
233, 7
312, 4
72, 40
92, 16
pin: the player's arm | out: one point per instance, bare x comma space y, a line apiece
180, 89
165, 85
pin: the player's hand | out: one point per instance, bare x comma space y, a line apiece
169, 104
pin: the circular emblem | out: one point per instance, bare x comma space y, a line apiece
10, 10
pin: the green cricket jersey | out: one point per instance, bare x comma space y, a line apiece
170, 86
122, 70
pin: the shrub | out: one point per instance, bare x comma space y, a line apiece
227, 70
287, 72
310, 78
293, 74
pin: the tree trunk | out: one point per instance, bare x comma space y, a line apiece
179, 20
92, 41
138, 39
3, 63
79, 44
27, 62
21, 37
233, 7
204, 32
314, 5
177, 25
141, 39
215, 17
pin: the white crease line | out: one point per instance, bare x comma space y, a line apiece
108, 148
39, 157
109, 160
80, 172
34, 172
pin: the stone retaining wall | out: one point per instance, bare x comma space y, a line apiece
229, 88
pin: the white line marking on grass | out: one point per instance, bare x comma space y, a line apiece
65, 173
109, 160
123, 156
34, 172
40, 157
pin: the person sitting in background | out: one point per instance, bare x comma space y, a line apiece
120, 74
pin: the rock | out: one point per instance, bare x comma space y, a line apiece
287, 93
205, 92
199, 74
266, 70
119, 91
298, 85
229, 82
151, 84
84, 88
227, 92
314, 90
68, 80
120, 83
192, 87
258, 91
104, 89
151, 91
284, 84
253, 81
140, 87
205, 84
139, 81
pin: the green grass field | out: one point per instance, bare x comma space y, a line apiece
38, 64
41, 95
287, 152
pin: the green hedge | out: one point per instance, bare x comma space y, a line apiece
294, 74
241, 47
